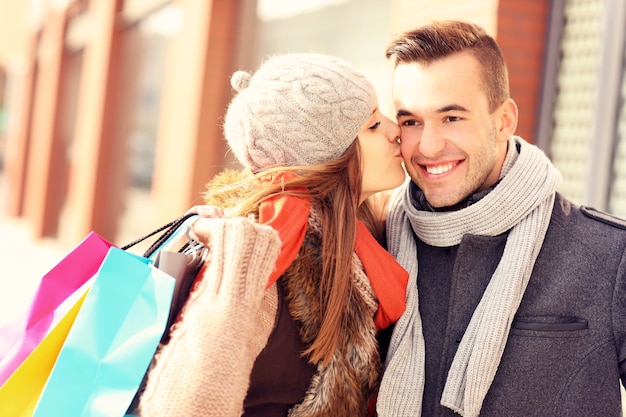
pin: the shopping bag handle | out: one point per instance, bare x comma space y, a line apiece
171, 230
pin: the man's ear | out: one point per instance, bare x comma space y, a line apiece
508, 119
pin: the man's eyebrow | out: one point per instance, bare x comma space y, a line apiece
452, 107
402, 112
444, 109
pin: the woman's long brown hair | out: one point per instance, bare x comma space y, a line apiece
334, 189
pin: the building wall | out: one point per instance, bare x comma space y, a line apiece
66, 167
13, 21
522, 30
175, 85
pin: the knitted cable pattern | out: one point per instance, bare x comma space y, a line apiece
522, 203
297, 109
212, 341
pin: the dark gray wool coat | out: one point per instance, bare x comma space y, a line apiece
566, 351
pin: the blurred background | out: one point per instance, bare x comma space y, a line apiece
110, 110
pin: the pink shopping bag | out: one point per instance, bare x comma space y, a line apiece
20, 393
48, 305
112, 341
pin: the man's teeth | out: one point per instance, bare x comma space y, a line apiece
439, 169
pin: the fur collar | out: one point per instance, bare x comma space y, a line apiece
345, 386
228, 195
347, 383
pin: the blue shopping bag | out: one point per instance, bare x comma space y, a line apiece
112, 341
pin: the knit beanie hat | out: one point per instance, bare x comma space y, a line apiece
297, 109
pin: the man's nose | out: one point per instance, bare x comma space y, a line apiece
431, 141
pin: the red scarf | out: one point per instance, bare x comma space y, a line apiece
289, 215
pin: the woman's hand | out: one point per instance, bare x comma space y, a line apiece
200, 228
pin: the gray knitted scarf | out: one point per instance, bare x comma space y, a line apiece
522, 202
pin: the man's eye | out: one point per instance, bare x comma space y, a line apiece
409, 123
452, 119
375, 126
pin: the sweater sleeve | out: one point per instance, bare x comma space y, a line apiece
204, 370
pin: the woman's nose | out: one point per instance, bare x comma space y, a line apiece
394, 132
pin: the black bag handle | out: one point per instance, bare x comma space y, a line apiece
169, 228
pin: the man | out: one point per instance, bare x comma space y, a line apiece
519, 306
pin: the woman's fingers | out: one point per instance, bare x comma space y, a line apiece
199, 230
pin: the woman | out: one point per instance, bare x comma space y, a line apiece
284, 317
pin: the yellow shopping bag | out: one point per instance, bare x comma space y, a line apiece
20, 393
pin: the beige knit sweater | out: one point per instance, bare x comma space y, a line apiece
204, 370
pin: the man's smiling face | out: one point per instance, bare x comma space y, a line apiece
453, 145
